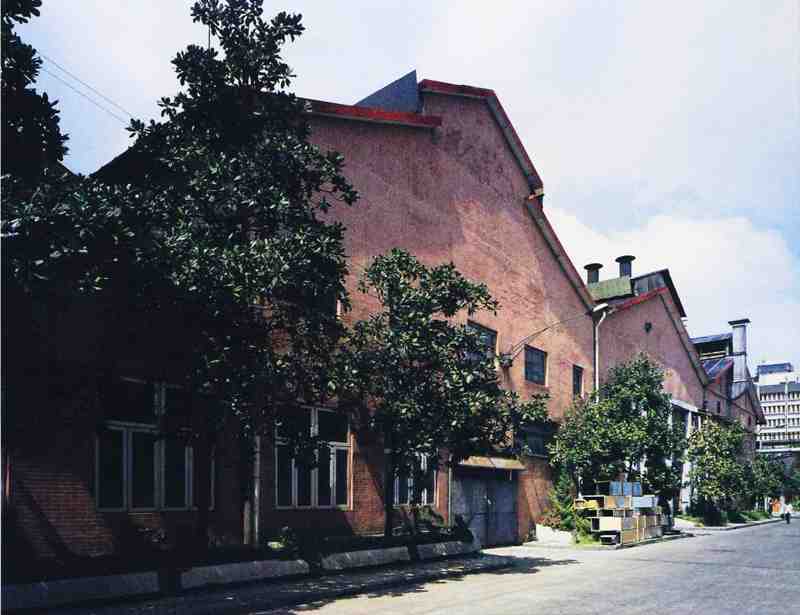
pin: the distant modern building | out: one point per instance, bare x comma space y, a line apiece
779, 391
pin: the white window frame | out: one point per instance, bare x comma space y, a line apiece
424, 500
314, 473
128, 428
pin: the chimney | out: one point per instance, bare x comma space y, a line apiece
593, 273
625, 265
739, 349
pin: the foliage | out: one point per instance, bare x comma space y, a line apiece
208, 235
31, 136
717, 474
428, 382
562, 514
764, 477
214, 214
630, 421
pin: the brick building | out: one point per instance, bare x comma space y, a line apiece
441, 173
645, 315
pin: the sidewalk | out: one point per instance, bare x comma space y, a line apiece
271, 595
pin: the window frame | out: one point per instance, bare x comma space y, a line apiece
544, 365
423, 460
128, 429
580, 392
333, 446
481, 330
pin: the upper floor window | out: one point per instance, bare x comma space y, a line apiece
535, 365
323, 484
536, 438
577, 381
487, 337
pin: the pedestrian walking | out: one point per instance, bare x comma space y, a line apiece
788, 514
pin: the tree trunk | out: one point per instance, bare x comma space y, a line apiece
388, 483
202, 464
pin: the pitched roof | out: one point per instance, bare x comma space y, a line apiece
721, 337
610, 289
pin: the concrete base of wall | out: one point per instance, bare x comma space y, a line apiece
370, 557
242, 572
67, 591
447, 549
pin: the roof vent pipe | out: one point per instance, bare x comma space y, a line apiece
593, 273
625, 265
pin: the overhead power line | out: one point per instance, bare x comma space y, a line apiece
89, 98
82, 82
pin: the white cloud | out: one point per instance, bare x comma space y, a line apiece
723, 270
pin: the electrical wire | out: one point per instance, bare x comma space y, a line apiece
82, 82
121, 119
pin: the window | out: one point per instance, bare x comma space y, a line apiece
536, 438
577, 381
535, 365
325, 485
487, 337
417, 487
138, 468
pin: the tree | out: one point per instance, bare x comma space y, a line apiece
211, 226
427, 386
31, 135
626, 428
764, 477
717, 474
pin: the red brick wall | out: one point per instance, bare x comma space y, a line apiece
52, 509
458, 194
623, 335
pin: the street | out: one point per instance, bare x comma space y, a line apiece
752, 570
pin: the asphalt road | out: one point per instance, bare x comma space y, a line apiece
752, 570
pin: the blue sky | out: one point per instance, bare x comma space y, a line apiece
666, 130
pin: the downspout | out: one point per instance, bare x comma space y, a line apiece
596, 343
256, 521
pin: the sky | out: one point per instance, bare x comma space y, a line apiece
670, 131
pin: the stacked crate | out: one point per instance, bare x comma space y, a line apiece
620, 514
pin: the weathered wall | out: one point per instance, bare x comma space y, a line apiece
457, 194
623, 335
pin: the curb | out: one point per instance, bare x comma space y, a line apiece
405, 575
577, 547
730, 528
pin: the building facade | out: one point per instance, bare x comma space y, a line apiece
779, 393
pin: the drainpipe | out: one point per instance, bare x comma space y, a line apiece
602, 310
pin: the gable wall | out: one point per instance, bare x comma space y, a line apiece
623, 335
458, 194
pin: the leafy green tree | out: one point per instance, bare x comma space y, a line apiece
209, 233
427, 385
626, 428
717, 474
31, 135
764, 477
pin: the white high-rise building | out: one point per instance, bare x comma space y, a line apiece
779, 392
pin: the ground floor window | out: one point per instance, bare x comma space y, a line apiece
137, 468
417, 485
325, 483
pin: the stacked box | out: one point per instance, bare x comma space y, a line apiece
628, 536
